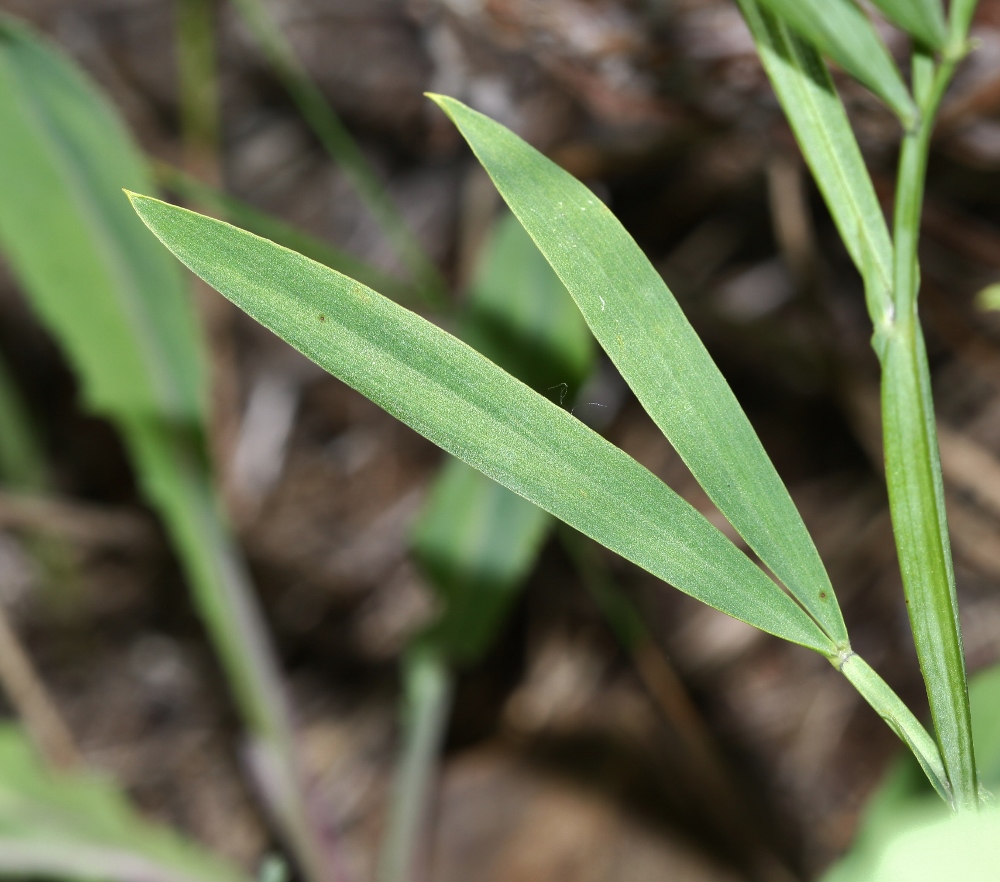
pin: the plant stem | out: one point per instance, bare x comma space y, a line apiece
176, 479
211, 200
341, 146
427, 697
198, 85
899, 718
913, 467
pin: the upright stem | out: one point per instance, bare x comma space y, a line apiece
341, 146
428, 688
177, 482
913, 467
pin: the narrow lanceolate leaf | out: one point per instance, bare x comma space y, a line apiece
921, 19
78, 826
814, 110
466, 404
476, 541
89, 268
639, 324
840, 30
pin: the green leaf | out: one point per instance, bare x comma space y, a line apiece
476, 540
803, 85
119, 307
639, 324
464, 403
840, 30
79, 826
984, 699
91, 271
921, 19
928, 849
960, 13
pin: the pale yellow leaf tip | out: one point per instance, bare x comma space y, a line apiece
443, 101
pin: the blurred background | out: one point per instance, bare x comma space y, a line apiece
568, 754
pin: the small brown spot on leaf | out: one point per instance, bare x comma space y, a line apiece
322, 318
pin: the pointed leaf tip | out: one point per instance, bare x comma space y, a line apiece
466, 404
640, 325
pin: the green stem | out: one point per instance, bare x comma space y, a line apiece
199, 94
913, 467
427, 696
342, 147
899, 718
176, 480
240, 214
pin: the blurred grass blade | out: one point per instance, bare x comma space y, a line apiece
427, 687
960, 13
198, 84
640, 325
464, 403
984, 698
22, 464
238, 212
477, 541
842, 31
921, 19
124, 318
803, 85
88, 268
78, 826
342, 148
519, 316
